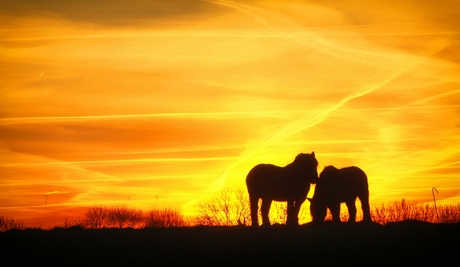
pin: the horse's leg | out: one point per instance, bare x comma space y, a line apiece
335, 210
266, 203
254, 205
351, 205
290, 212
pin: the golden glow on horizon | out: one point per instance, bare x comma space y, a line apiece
164, 103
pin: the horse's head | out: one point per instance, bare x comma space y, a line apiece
318, 208
329, 172
306, 164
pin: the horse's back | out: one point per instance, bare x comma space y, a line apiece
262, 174
354, 175
354, 180
269, 181
342, 183
263, 168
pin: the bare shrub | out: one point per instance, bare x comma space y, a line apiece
96, 217
278, 212
243, 212
122, 216
228, 207
448, 214
7, 223
379, 214
403, 210
119, 216
423, 212
164, 218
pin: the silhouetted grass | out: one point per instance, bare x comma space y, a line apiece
116, 216
448, 214
231, 207
164, 218
410, 210
124, 216
232, 210
8, 223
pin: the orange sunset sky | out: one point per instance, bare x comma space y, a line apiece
162, 103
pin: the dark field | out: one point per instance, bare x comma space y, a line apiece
395, 244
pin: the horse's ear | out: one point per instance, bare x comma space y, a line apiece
313, 153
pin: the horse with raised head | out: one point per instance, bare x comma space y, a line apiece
336, 186
290, 183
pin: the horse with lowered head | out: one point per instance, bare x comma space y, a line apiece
335, 186
290, 183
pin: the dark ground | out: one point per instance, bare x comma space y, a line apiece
395, 244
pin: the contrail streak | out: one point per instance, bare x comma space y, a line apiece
434, 97
192, 115
120, 161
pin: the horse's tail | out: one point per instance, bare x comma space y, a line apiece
254, 205
253, 198
364, 198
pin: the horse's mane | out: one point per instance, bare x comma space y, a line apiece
300, 162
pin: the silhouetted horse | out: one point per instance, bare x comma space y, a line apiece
273, 183
335, 186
